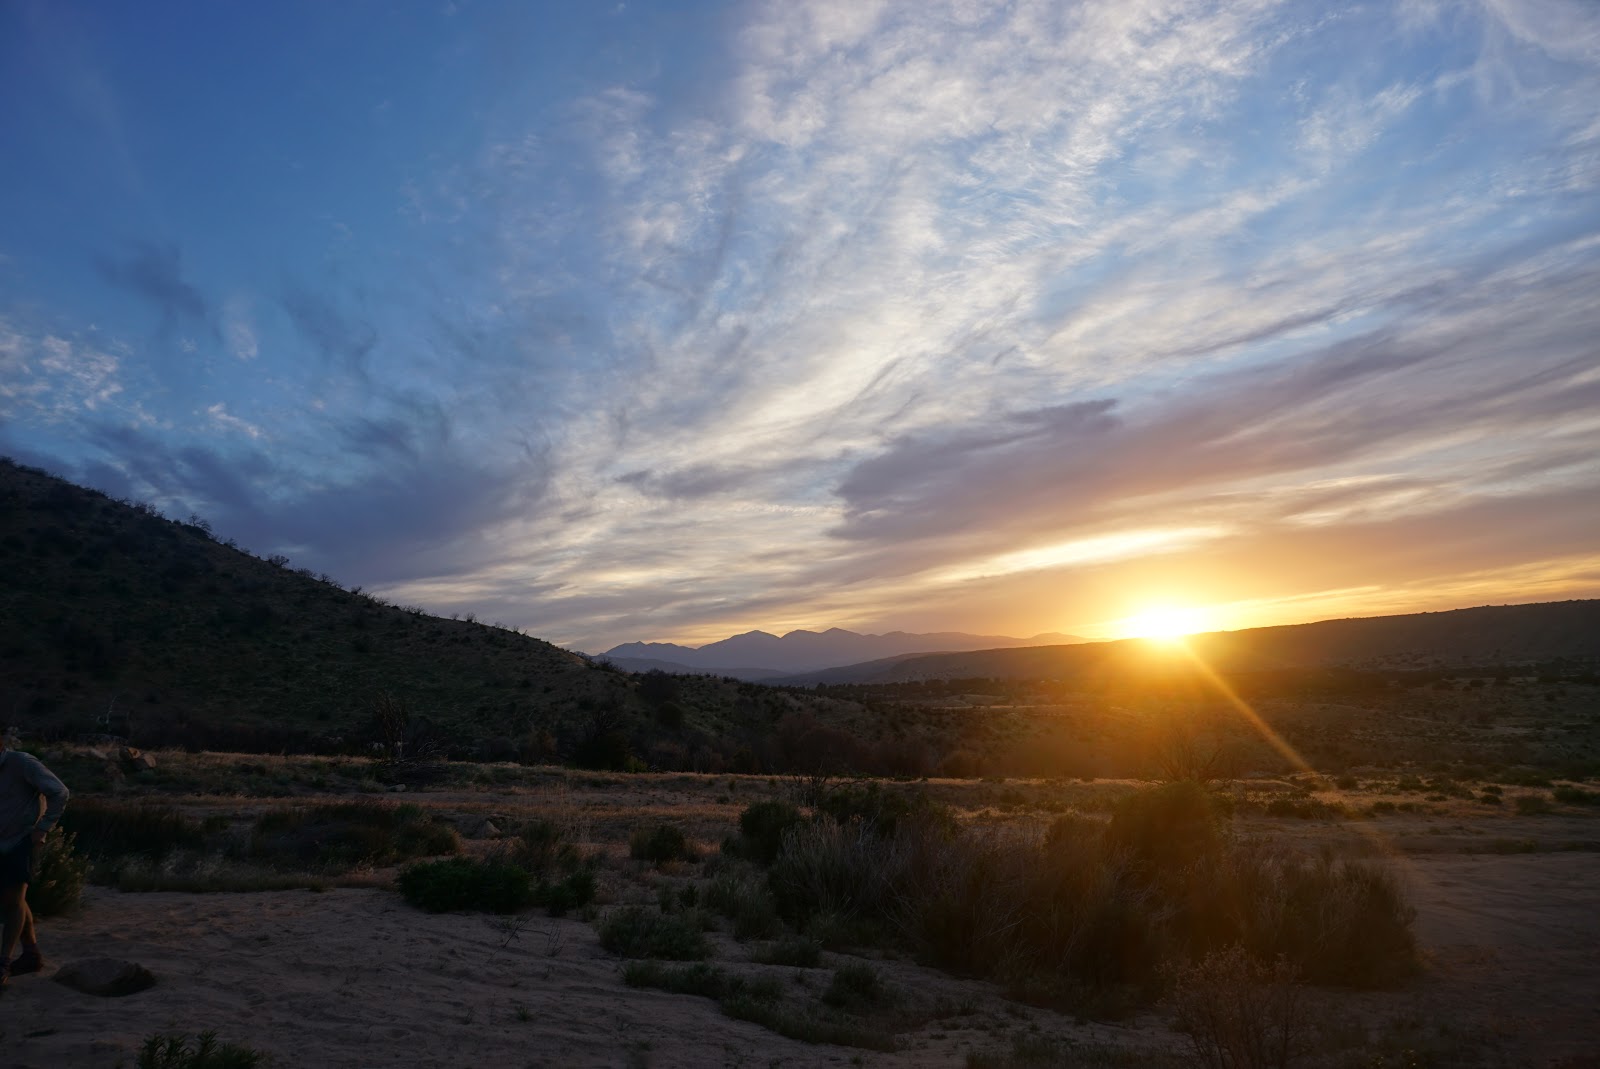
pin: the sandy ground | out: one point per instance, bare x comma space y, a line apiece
354, 977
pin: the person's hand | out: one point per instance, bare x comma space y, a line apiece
38, 838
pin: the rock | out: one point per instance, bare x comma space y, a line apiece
486, 829
143, 762
398, 787
108, 977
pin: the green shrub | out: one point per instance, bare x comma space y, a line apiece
460, 883
884, 810
1532, 805
59, 875
541, 847
107, 830
174, 1052
1166, 828
807, 1027
659, 844
344, 834
702, 979
761, 830
637, 932
857, 986
574, 891
1577, 796
797, 952
741, 894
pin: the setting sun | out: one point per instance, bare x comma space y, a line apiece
1166, 623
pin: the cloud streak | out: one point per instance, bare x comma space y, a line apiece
895, 315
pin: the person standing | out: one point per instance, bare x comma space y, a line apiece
24, 823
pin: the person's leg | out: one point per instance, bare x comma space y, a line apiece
13, 907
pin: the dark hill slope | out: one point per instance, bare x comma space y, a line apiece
1499, 635
114, 619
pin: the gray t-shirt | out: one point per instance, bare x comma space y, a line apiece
23, 782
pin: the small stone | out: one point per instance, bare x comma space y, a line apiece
107, 977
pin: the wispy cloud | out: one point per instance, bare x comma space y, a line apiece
940, 307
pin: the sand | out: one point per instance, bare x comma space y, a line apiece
354, 977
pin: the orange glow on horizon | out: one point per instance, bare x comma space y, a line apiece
1165, 623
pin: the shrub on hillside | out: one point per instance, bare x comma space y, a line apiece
659, 844
460, 883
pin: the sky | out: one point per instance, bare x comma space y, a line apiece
671, 321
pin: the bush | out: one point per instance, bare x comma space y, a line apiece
541, 847
659, 844
1532, 805
1239, 1013
741, 894
857, 986
59, 876
827, 868
1165, 829
460, 883
1577, 796
797, 952
637, 932
345, 834
174, 1052
573, 892
761, 830
106, 830
885, 811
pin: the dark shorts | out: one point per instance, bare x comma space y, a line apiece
16, 864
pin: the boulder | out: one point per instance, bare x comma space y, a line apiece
142, 762
108, 977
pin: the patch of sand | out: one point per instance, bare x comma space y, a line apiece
355, 978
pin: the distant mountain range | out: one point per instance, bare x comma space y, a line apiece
757, 655
1503, 635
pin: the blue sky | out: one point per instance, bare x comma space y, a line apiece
671, 321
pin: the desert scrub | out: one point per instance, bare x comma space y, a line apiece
796, 951
59, 875
762, 827
1090, 906
344, 834
109, 830
1532, 805
1239, 1012
460, 883
740, 893
659, 844
541, 847
173, 1051
858, 987
637, 932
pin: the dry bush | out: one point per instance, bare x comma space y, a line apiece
1239, 1012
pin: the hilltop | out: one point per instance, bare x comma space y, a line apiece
117, 620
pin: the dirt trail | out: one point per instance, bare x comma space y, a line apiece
1513, 948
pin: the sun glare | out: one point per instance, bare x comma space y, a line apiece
1165, 623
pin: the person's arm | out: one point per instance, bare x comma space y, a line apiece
55, 795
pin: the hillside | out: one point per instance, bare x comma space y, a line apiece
116, 620
1488, 636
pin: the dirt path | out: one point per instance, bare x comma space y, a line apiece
1513, 948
